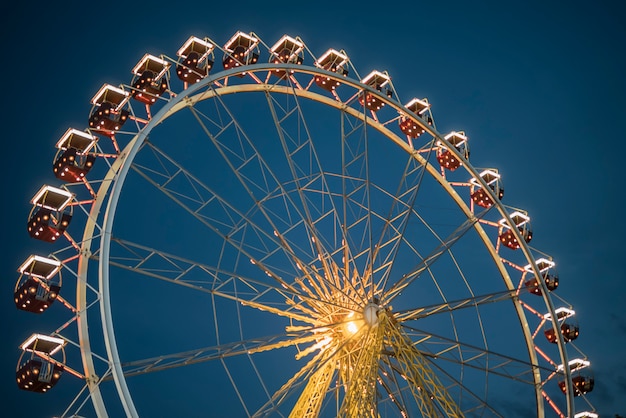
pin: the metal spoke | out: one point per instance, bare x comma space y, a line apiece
219, 352
218, 279
450, 306
431, 258
302, 146
476, 357
430, 394
237, 220
402, 218
267, 172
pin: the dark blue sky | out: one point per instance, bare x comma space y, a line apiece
538, 88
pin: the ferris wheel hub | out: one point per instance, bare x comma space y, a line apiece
370, 314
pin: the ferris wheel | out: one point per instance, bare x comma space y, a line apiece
279, 235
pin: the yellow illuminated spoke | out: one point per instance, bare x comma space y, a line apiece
361, 374
428, 391
267, 308
317, 362
310, 401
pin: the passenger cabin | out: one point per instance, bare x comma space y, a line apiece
38, 286
583, 383
376, 80
73, 160
479, 195
36, 370
108, 114
241, 49
150, 79
194, 61
287, 50
421, 108
446, 158
331, 60
568, 330
50, 215
546, 269
522, 223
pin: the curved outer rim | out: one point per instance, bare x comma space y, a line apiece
118, 171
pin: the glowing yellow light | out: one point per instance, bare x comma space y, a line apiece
353, 324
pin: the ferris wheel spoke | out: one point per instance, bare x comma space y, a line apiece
368, 275
246, 156
216, 213
428, 391
480, 403
217, 352
440, 348
388, 380
219, 282
451, 306
250, 155
355, 193
397, 391
307, 172
311, 374
296, 302
361, 374
401, 211
444, 247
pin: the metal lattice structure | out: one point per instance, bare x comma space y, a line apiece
297, 241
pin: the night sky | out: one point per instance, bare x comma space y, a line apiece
539, 88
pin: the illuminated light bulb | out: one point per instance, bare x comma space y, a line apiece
352, 327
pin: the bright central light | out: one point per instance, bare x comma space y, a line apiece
352, 327
369, 317
353, 324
